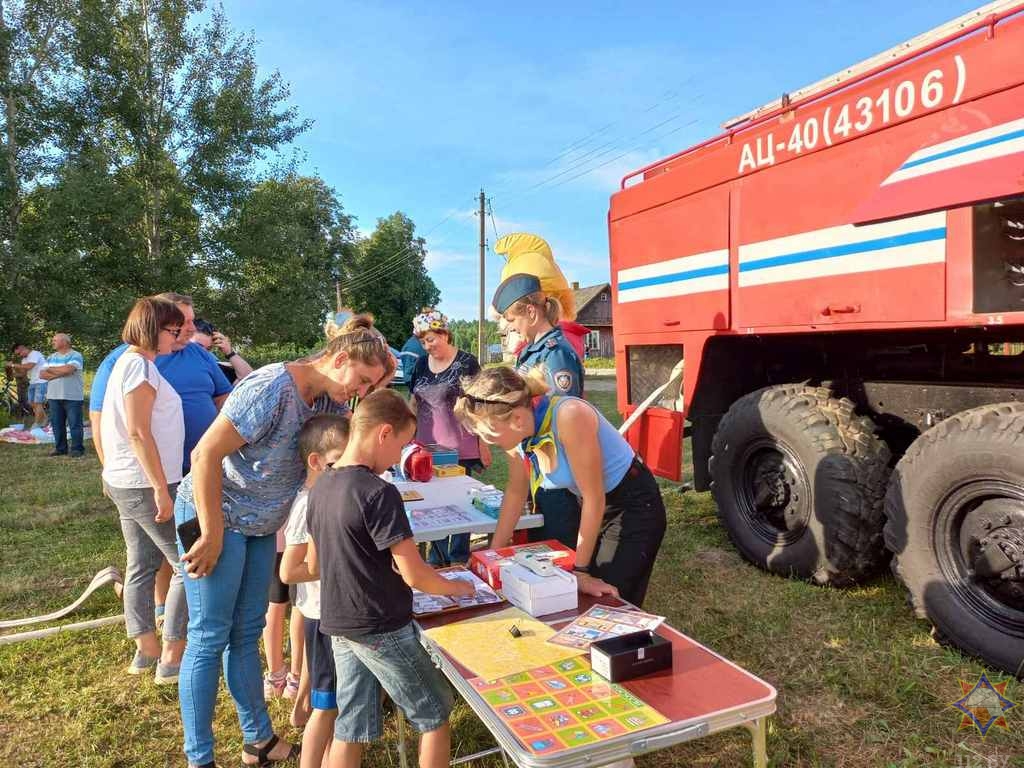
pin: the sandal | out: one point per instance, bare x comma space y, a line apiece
262, 754
291, 686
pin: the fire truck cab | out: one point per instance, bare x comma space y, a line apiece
842, 273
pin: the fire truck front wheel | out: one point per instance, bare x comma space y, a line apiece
799, 480
955, 525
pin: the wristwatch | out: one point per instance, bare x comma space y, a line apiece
230, 354
581, 569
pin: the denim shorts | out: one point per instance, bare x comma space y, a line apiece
37, 392
395, 662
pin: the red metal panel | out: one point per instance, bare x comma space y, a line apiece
658, 437
987, 180
866, 297
673, 264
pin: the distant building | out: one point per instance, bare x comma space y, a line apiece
594, 310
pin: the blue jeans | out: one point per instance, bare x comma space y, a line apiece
396, 662
227, 612
66, 415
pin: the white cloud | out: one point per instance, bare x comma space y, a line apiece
438, 258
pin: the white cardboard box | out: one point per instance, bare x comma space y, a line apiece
538, 595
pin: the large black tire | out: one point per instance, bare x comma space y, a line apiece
957, 493
799, 480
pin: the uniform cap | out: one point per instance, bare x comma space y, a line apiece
512, 289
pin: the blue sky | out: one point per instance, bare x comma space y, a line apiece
416, 105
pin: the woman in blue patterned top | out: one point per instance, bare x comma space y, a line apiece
246, 471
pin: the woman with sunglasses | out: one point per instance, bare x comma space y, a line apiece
143, 437
246, 471
570, 445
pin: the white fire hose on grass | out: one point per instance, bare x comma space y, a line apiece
107, 576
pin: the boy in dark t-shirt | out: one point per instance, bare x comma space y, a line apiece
363, 551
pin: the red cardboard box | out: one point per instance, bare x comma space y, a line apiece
486, 563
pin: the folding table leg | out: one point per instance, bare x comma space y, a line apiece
758, 735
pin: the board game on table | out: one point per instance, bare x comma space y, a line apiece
445, 509
538, 723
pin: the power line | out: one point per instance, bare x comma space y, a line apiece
392, 261
664, 98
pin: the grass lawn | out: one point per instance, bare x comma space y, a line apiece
860, 681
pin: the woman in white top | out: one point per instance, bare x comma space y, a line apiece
143, 437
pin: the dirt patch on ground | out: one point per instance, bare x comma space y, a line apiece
717, 559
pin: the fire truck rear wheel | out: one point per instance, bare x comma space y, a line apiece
799, 480
955, 524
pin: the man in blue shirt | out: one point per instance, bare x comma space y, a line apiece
65, 391
190, 369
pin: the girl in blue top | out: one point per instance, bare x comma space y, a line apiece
246, 471
570, 445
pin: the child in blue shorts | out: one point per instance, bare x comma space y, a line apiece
363, 551
322, 441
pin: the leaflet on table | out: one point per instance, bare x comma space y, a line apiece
602, 622
444, 516
424, 604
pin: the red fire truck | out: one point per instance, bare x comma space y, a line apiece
842, 273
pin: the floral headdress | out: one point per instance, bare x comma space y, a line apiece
427, 320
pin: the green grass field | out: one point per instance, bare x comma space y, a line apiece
860, 681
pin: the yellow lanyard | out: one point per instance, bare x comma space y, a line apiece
543, 435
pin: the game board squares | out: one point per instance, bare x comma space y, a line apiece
499, 696
637, 720
543, 744
588, 711
516, 679
559, 719
542, 704
528, 728
606, 729
617, 705
555, 684
574, 737
581, 678
569, 665
572, 697
528, 690
512, 711
541, 672
600, 689
485, 685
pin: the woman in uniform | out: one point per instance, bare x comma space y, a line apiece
534, 315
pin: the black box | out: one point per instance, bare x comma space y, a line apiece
628, 656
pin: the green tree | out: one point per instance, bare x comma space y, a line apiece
182, 107
34, 44
386, 275
282, 249
464, 335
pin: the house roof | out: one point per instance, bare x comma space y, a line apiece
587, 294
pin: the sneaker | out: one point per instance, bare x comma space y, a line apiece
291, 687
273, 684
77, 454
142, 663
167, 674
51, 454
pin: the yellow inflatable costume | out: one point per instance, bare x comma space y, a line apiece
529, 254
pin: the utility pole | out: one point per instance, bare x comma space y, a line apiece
483, 251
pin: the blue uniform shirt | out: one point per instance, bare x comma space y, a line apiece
196, 377
561, 364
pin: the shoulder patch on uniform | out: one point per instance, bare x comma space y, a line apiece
551, 343
563, 380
